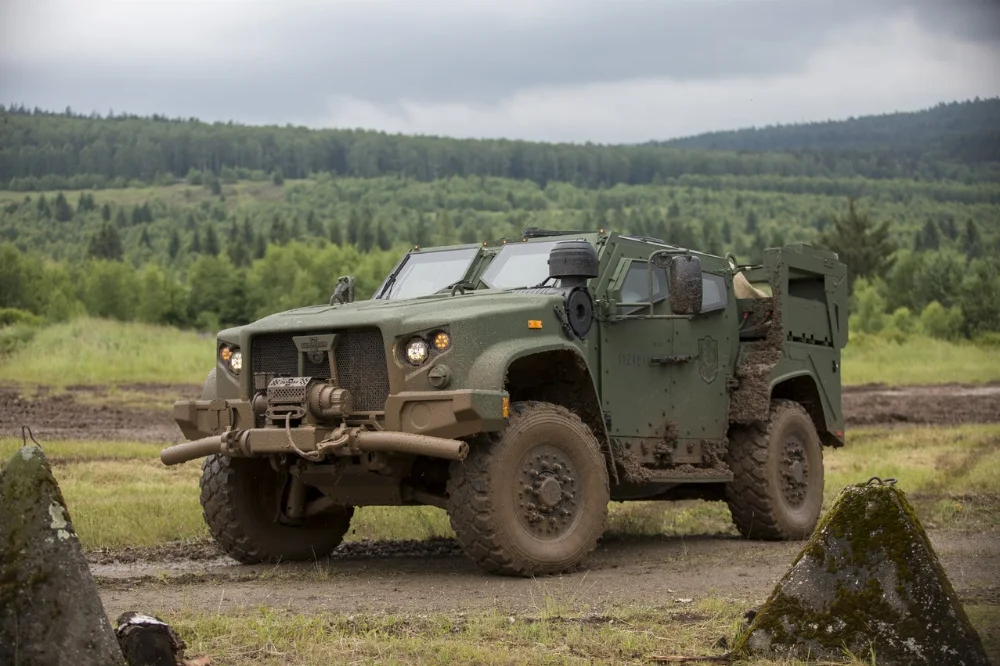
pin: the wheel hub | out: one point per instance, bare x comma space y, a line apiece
794, 473
547, 501
549, 492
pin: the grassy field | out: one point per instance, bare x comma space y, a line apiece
97, 351
918, 360
551, 636
951, 474
100, 351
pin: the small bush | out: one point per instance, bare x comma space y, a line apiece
13, 338
989, 340
904, 322
15, 316
940, 322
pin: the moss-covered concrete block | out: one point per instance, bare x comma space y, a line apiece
868, 580
50, 611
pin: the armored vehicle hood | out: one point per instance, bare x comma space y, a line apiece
409, 314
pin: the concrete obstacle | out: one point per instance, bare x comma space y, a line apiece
50, 611
868, 581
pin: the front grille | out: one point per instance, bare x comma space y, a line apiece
361, 364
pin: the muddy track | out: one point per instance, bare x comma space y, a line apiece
430, 577
141, 412
131, 412
941, 404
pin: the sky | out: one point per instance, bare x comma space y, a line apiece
604, 71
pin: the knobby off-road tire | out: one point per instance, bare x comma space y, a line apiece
532, 499
777, 487
240, 502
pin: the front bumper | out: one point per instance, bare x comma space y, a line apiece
417, 423
314, 443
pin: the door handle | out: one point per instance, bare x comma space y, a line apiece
670, 360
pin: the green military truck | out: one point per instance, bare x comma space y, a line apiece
521, 385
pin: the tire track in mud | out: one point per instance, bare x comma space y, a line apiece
938, 404
644, 571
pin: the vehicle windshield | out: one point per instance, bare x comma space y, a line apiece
424, 273
519, 265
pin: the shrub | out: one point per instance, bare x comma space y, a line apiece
17, 317
990, 339
904, 321
940, 322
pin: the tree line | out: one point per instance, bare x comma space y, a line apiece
42, 151
956, 131
215, 268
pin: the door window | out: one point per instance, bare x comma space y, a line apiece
635, 286
713, 292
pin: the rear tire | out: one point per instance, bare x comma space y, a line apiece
533, 499
777, 487
240, 499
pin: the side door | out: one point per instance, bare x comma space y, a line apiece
698, 397
635, 385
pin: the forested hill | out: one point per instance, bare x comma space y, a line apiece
46, 151
967, 132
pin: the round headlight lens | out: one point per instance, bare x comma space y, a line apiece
236, 361
442, 341
417, 351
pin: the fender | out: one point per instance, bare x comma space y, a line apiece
802, 385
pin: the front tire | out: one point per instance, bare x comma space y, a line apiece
777, 487
240, 499
533, 499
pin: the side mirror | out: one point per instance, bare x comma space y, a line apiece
344, 291
684, 283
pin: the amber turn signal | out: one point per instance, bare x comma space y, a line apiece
442, 341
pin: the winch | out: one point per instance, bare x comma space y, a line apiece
291, 398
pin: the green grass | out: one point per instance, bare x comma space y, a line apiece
548, 636
918, 360
99, 351
61, 451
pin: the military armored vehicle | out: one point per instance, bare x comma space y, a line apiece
521, 385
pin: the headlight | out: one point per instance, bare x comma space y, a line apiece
232, 358
236, 362
417, 351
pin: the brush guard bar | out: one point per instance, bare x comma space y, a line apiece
314, 443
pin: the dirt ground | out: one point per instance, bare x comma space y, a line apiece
942, 404
141, 412
129, 412
432, 577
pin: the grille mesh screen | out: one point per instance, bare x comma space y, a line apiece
361, 364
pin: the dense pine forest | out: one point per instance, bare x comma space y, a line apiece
202, 225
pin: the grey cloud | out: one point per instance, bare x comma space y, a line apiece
291, 62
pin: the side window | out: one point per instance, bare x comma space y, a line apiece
714, 296
635, 287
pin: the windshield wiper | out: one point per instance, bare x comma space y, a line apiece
391, 280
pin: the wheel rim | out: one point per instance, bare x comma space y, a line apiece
547, 498
794, 471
